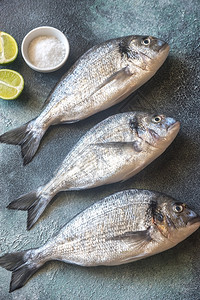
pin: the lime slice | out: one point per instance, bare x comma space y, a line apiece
8, 48
11, 84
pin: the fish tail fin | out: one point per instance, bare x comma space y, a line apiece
22, 265
27, 137
34, 202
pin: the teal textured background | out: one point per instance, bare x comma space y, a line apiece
173, 274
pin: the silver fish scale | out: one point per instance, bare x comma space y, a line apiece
89, 85
98, 63
102, 59
93, 237
92, 160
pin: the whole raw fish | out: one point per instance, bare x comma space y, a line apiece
122, 228
114, 150
105, 75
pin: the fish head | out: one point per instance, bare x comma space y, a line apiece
174, 220
157, 130
147, 52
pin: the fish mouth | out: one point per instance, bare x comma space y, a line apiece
163, 53
175, 127
160, 57
194, 220
165, 47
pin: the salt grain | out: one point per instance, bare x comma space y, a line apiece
46, 52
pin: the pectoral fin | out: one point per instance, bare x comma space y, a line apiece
135, 145
122, 74
134, 245
137, 238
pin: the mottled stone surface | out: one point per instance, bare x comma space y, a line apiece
173, 274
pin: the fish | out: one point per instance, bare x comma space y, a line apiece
124, 227
113, 150
103, 76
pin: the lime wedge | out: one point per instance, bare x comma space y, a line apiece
11, 84
8, 48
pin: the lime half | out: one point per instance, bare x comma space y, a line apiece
8, 48
11, 84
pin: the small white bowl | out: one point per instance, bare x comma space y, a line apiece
44, 31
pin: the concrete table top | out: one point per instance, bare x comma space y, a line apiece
173, 274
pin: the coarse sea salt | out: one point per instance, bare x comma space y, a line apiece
46, 51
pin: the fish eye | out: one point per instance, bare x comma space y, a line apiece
159, 217
157, 119
178, 208
146, 41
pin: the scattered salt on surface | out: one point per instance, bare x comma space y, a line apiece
46, 51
